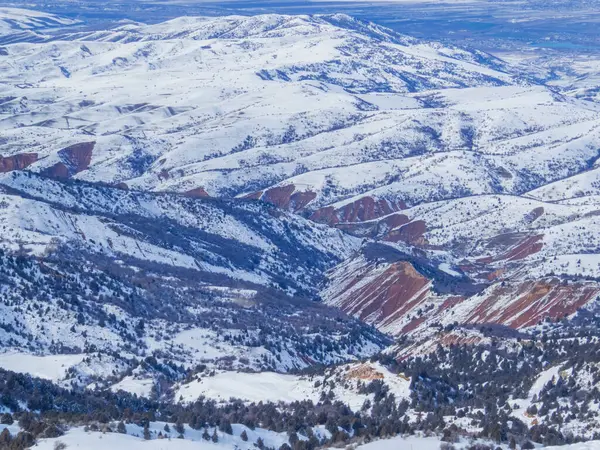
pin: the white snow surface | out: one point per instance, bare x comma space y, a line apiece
79, 439
49, 367
275, 387
196, 102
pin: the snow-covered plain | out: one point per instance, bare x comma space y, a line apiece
192, 439
79, 439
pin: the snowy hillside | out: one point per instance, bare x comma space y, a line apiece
341, 383
372, 121
292, 232
99, 263
15, 19
194, 103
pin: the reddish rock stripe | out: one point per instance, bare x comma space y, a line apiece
411, 233
533, 302
285, 197
17, 162
253, 195
396, 291
74, 159
198, 192
361, 210
390, 298
527, 247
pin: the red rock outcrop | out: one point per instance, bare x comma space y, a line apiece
253, 195
17, 162
198, 192
286, 197
381, 296
397, 298
411, 233
74, 159
361, 210
512, 247
526, 303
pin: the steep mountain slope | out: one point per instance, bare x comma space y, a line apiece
507, 260
117, 277
241, 240
464, 166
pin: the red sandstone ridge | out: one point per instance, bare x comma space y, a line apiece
380, 295
197, 193
253, 195
286, 197
512, 247
74, 159
361, 210
527, 303
411, 233
17, 162
395, 297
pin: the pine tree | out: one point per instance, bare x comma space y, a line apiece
121, 428
5, 438
225, 426
244, 436
215, 437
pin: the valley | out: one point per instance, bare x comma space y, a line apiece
309, 230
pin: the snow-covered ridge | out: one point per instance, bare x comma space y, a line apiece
15, 19
46, 214
205, 106
195, 104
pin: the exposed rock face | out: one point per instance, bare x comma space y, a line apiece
74, 159
398, 298
361, 210
286, 197
197, 193
17, 162
381, 294
364, 372
527, 303
513, 246
411, 233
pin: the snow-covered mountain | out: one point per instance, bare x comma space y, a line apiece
327, 116
125, 275
475, 175
176, 199
196, 103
